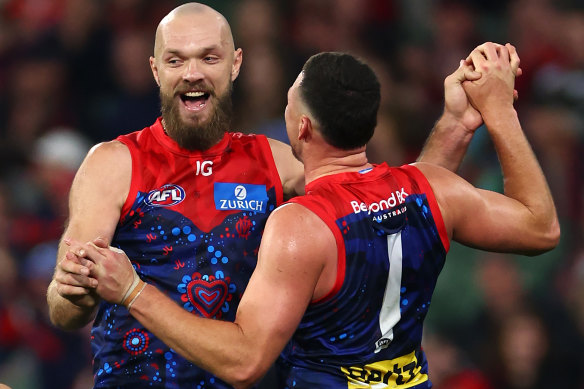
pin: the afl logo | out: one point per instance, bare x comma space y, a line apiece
166, 196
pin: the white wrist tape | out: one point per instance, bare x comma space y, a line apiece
131, 288
141, 288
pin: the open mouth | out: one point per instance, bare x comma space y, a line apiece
195, 101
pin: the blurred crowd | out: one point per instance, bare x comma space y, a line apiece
75, 72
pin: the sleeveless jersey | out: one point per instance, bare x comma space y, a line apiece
392, 243
191, 226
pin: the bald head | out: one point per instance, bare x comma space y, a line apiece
189, 13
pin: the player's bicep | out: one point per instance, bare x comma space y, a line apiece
492, 221
270, 310
98, 192
480, 218
283, 283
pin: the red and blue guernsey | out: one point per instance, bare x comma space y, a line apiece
191, 226
392, 243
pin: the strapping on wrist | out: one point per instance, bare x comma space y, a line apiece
133, 291
131, 288
135, 294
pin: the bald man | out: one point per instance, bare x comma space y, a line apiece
187, 201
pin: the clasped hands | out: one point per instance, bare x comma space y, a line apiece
105, 269
479, 76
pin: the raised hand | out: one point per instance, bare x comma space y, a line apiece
456, 102
452, 133
498, 66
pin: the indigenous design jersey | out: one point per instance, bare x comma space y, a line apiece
392, 243
191, 226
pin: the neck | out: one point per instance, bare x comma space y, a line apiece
334, 161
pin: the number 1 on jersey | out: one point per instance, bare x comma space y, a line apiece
390, 310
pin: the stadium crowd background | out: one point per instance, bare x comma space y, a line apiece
75, 72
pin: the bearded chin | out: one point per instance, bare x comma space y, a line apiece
195, 135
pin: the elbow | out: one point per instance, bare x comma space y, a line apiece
551, 234
554, 234
248, 373
551, 237
247, 379
548, 239
242, 384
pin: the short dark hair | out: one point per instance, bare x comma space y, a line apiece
343, 94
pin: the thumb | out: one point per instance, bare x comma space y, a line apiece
464, 72
468, 72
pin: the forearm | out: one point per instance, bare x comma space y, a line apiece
66, 315
523, 177
447, 144
210, 344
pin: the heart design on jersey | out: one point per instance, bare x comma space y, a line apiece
207, 297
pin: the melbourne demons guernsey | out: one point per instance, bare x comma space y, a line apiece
392, 243
191, 226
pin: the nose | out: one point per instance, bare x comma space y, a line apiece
192, 72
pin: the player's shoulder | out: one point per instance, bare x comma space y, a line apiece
112, 155
295, 229
440, 178
104, 175
113, 149
278, 146
295, 217
429, 169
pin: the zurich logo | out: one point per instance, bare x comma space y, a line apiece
240, 192
166, 196
242, 197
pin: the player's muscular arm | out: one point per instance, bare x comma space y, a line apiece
281, 287
524, 180
487, 220
523, 219
97, 194
291, 170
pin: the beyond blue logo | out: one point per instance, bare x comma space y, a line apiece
243, 197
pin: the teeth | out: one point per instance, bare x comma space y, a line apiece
194, 94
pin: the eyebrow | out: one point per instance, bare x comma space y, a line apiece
205, 49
